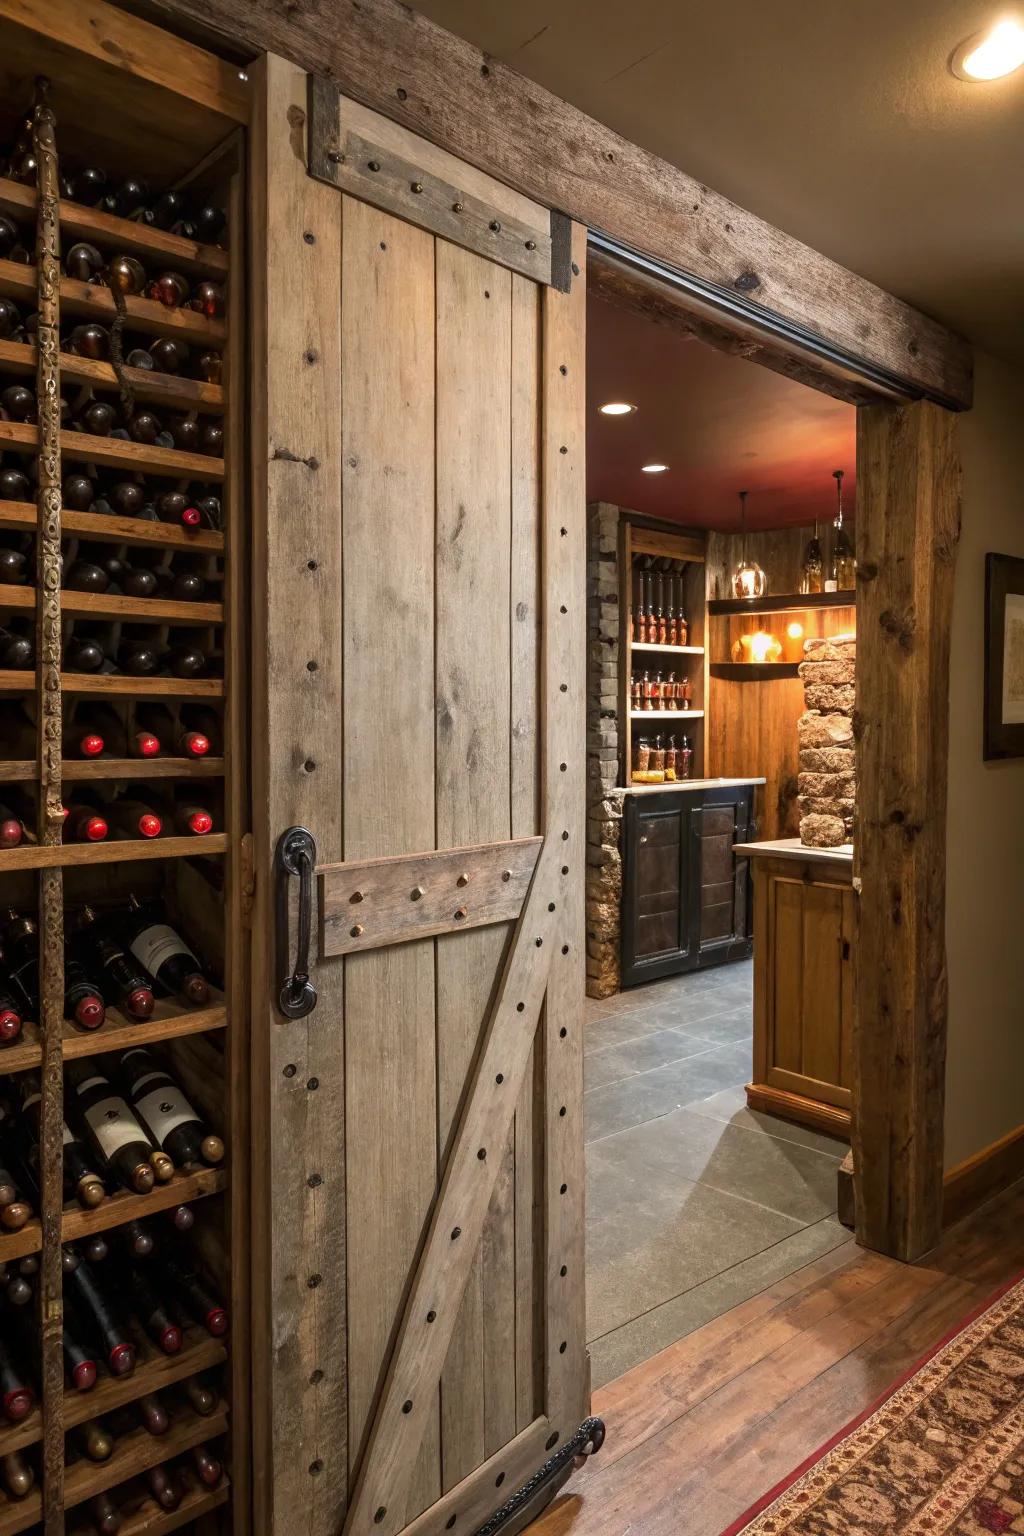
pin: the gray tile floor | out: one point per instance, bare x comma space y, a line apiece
694, 1202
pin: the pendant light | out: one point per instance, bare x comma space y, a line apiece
844, 565
748, 579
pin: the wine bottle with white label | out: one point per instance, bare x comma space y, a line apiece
110, 1126
127, 981
80, 1177
166, 1113
165, 955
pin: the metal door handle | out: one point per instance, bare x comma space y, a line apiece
296, 855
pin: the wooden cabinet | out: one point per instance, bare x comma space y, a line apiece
803, 985
685, 895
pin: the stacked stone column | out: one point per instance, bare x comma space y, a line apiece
604, 799
827, 780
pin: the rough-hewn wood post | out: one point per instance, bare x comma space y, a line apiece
908, 523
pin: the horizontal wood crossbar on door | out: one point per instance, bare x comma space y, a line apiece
368, 156
377, 902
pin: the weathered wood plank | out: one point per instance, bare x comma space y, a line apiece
387, 385
395, 60
908, 524
298, 1327
391, 901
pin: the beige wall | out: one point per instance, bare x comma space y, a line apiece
985, 893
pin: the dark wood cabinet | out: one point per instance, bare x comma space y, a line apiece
685, 897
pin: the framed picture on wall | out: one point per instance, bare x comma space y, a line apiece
1004, 657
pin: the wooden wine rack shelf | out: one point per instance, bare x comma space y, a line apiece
90, 301
116, 453
149, 387
101, 768
128, 851
133, 1453
153, 1371
114, 1212
120, 684
105, 605
141, 240
100, 527
117, 1033
150, 1520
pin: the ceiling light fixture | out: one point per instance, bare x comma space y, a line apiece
990, 55
617, 408
654, 469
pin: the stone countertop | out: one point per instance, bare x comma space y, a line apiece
793, 848
660, 789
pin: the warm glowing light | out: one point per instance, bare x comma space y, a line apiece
654, 469
764, 647
749, 580
990, 55
617, 408
793, 646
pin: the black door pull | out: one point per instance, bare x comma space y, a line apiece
296, 855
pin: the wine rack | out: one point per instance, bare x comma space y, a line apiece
200, 882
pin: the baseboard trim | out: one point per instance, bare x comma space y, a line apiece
983, 1175
793, 1106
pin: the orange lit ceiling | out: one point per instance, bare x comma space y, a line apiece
721, 424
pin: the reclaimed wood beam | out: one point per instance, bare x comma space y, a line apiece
402, 64
908, 524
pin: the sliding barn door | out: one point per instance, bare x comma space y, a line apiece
418, 505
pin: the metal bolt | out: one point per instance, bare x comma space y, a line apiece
290, 1070
416, 893
312, 1083
460, 913
315, 1180
356, 896
356, 930
309, 237
373, 165
531, 245
314, 1281
417, 186
335, 156
506, 874
462, 880
457, 207
456, 1232
494, 227
316, 1467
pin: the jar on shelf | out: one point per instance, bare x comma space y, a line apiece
670, 691
647, 691
684, 630
685, 693
684, 759
636, 692
641, 755
659, 691
658, 754
671, 757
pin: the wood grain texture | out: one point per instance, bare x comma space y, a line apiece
478, 108
908, 524
104, 605
469, 887
298, 1326
94, 303
975, 1180
21, 515
159, 389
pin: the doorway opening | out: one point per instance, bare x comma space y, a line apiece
719, 1012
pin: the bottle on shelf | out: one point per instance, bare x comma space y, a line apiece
165, 1488
132, 815
813, 574
137, 1238
207, 1465
843, 574
99, 1314
127, 275
16, 1396
14, 1211
684, 758
16, 1474
10, 1021
110, 1126
93, 1440
165, 955
150, 1309
106, 1516
201, 1398
128, 201
170, 289
17, 647
19, 943
80, 1176
86, 648
125, 979
88, 340
185, 817
15, 484
84, 262
165, 1111
17, 403
190, 1290
77, 492
152, 1414
179, 584
83, 822
95, 729
79, 1365
170, 731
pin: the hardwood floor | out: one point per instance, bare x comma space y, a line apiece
701, 1430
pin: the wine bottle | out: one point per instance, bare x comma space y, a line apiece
181, 1217
106, 1516
12, 830
84, 262
16, 1474
201, 1398
90, 186
208, 299
169, 355
97, 418
126, 274
10, 1014
128, 200
83, 823
101, 1317
93, 1440
16, 1396
14, 560
10, 321
89, 340
152, 1414
17, 403
111, 1128
184, 658
186, 818
210, 223
137, 580
207, 1465
138, 657
83, 1001
137, 1239
79, 1365
165, 1111
15, 485
165, 955
191, 1290
149, 1308
170, 289
132, 816
20, 945
95, 729
78, 492
80, 1177
17, 649
164, 1487
125, 979
84, 652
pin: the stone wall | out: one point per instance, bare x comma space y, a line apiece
604, 798
827, 780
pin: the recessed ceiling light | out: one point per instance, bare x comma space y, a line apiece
654, 469
990, 55
617, 408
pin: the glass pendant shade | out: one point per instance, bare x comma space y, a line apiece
748, 579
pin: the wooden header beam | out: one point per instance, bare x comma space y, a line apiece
408, 68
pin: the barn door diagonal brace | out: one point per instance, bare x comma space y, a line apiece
526, 1503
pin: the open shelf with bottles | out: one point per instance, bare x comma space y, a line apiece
122, 666
663, 667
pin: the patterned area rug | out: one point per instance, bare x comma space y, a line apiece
941, 1455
